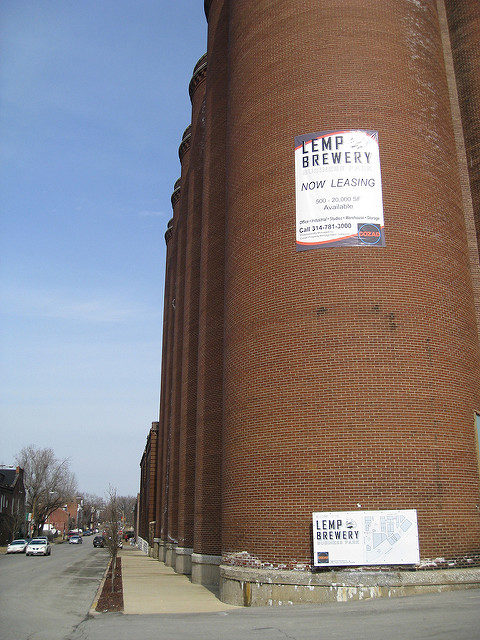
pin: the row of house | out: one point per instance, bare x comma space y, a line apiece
14, 518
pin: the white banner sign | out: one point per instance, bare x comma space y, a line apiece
338, 190
365, 538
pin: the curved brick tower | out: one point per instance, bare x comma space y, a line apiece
464, 22
162, 435
351, 372
188, 389
207, 527
169, 519
334, 371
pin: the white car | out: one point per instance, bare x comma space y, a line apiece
38, 547
17, 546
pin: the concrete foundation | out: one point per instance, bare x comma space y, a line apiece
170, 554
161, 550
183, 560
252, 587
156, 542
206, 569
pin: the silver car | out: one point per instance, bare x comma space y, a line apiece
38, 547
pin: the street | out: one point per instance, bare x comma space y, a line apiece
453, 615
48, 598
44, 598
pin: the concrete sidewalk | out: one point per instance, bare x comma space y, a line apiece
151, 587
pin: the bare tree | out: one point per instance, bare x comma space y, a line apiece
127, 507
111, 522
93, 506
48, 481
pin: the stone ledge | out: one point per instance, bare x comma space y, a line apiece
354, 578
182, 562
257, 587
206, 569
169, 558
203, 558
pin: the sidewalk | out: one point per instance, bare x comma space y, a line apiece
151, 587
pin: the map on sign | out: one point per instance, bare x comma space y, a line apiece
382, 533
365, 538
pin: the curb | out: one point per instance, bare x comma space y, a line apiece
92, 611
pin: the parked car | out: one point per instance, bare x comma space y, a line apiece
75, 540
98, 541
38, 547
17, 546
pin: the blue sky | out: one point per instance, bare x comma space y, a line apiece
93, 104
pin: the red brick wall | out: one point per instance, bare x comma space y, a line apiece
464, 22
148, 482
60, 518
143, 494
161, 511
463, 159
166, 360
351, 374
170, 527
210, 350
153, 486
330, 379
194, 177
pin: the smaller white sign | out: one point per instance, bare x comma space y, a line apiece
361, 538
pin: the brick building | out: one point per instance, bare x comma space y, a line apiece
12, 504
145, 506
338, 372
65, 518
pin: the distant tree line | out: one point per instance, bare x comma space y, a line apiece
50, 484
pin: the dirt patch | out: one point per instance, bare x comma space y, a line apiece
112, 600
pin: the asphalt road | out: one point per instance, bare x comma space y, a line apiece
49, 599
446, 616
46, 597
